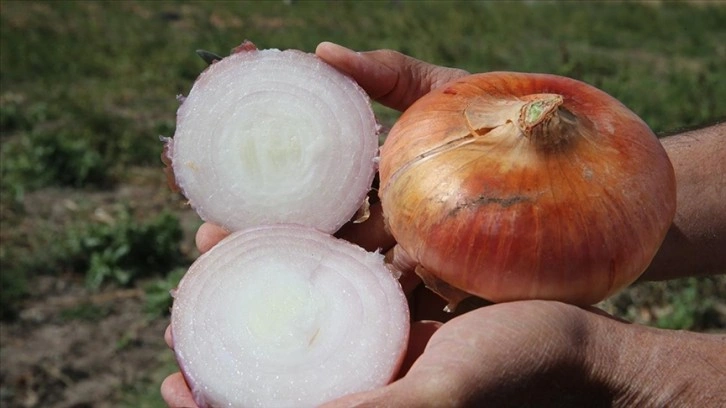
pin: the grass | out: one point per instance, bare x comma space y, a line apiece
119, 251
87, 88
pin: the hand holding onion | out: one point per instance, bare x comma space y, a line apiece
280, 148
516, 186
533, 352
369, 235
424, 306
511, 319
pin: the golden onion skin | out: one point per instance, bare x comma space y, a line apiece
568, 198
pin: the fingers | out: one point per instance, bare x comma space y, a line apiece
428, 375
208, 235
176, 393
389, 77
168, 337
420, 334
376, 78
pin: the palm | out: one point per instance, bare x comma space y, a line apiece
465, 360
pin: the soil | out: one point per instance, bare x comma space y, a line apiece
73, 347
51, 360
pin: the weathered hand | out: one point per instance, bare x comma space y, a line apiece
423, 304
548, 354
529, 353
389, 77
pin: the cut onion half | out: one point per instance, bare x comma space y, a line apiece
257, 326
270, 136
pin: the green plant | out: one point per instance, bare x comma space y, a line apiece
691, 303
13, 286
40, 158
685, 306
86, 311
120, 251
145, 393
125, 250
158, 292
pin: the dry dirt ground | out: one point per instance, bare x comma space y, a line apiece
72, 347
49, 360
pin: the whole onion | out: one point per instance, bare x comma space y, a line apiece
518, 186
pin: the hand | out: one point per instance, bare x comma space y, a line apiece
535, 352
549, 354
396, 81
530, 353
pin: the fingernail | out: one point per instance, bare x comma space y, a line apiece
327, 46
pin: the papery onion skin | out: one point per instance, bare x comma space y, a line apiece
573, 211
229, 354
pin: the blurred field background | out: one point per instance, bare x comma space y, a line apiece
92, 239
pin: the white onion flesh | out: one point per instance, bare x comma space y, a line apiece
269, 136
287, 316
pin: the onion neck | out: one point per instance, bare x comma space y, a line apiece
544, 121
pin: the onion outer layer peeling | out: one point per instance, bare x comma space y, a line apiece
255, 326
270, 136
520, 186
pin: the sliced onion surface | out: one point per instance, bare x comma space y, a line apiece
287, 316
269, 136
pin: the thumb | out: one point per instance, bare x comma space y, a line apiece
389, 77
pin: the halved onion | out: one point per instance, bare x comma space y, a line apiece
270, 136
287, 316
